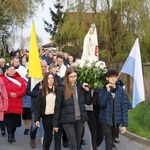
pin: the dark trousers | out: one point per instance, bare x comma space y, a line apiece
12, 122
95, 129
2, 125
117, 131
74, 134
11, 131
99, 130
64, 136
48, 134
33, 128
109, 136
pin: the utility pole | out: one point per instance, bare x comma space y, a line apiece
21, 42
1, 42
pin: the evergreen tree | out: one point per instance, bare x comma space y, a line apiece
57, 19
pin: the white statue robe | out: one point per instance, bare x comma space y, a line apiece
90, 47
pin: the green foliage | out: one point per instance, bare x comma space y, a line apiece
19, 11
118, 25
104, 54
139, 120
15, 14
92, 73
120, 56
76, 52
57, 19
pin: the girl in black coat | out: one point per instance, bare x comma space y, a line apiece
70, 108
45, 109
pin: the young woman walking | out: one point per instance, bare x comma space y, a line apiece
45, 109
70, 108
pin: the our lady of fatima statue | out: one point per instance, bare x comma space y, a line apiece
90, 45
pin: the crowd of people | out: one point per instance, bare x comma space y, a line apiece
59, 106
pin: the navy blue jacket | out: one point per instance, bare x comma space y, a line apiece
34, 94
106, 107
64, 111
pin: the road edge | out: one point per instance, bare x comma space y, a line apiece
137, 138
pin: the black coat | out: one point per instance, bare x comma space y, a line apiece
64, 111
40, 107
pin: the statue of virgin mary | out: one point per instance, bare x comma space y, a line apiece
90, 45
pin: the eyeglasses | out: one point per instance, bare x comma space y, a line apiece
71, 77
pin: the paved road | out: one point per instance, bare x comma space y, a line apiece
23, 143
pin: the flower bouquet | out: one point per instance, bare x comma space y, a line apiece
92, 73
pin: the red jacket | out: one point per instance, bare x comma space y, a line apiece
3, 100
15, 104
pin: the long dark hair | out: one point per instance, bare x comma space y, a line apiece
69, 89
94, 99
46, 90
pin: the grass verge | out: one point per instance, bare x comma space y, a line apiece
139, 120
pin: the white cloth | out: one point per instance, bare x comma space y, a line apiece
22, 71
90, 107
13, 80
61, 70
50, 104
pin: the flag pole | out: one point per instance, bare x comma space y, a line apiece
119, 75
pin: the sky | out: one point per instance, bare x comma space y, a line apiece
43, 13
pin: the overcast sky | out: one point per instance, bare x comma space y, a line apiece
39, 23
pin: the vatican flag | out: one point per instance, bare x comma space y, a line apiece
35, 70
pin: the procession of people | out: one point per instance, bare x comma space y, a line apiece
59, 106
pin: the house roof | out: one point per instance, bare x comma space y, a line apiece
48, 45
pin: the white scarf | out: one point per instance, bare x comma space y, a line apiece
13, 80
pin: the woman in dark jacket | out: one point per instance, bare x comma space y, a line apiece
45, 109
70, 108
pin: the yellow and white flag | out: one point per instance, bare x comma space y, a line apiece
35, 70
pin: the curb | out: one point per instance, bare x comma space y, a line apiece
137, 138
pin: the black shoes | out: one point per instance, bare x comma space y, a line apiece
26, 131
65, 144
83, 142
3, 133
11, 138
114, 147
14, 140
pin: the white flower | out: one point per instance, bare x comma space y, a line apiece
77, 62
91, 72
100, 64
105, 70
103, 63
80, 63
88, 64
97, 64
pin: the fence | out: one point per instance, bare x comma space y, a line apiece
128, 80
